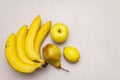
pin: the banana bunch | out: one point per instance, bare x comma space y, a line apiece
22, 49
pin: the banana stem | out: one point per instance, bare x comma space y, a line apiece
45, 65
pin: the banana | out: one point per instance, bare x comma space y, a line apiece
20, 40
13, 59
42, 33
30, 38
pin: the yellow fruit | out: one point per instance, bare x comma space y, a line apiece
59, 32
71, 54
52, 55
42, 33
20, 44
13, 59
30, 38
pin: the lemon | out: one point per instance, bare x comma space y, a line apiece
71, 54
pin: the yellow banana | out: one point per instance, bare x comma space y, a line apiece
20, 40
14, 60
30, 38
41, 36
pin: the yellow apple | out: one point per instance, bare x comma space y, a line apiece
59, 32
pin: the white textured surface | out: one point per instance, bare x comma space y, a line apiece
94, 29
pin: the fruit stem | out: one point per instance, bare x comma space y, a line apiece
64, 69
45, 65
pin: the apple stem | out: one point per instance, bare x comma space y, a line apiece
64, 69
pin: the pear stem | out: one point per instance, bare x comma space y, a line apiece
64, 69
